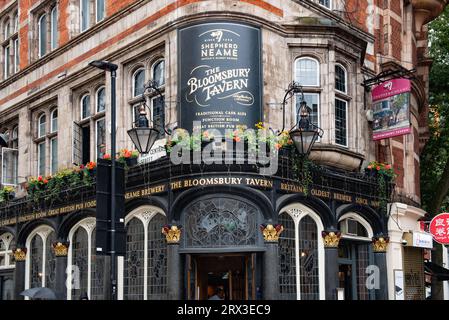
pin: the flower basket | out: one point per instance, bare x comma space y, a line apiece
131, 162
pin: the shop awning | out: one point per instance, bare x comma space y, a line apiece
442, 274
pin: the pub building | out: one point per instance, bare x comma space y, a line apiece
322, 224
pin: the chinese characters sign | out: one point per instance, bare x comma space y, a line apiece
439, 228
220, 76
391, 109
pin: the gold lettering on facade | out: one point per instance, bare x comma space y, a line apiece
291, 188
361, 201
321, 193
342, 197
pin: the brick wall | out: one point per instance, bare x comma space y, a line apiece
396, 38
398, 166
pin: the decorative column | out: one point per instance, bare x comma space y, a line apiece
380, 245
270, 259
61, 252
331, 240
20, 255
174, 269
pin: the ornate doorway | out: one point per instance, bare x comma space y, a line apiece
221, 277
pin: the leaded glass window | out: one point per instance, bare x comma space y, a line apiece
97, 272
308, 259
50, 261
341, 122
363, 262
138, 82
220, 222
134, 261
340, 78
287, 259
307, 72
157, 259
159, 73
37, 251
80, 253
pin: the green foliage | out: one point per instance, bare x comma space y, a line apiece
6, 193
436, 152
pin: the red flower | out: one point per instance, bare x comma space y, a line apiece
370, 167
388, 166
45, 181
107, 156
237, 139
377, 168
278, 146
39, 179
82, 166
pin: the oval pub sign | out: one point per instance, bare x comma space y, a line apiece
439, 228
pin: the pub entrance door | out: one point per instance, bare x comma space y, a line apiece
221, 276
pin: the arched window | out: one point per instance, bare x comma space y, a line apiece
42, 34
36, 258
80, 257
308, 261
134, 261
42, 126
15, 138
340, 78
307, 72
101, 99
301, 254
85, 14
16, 22
54, 120
6, 246
99, 7
287, 259
54, 28
157, 259
138, 82
6, 30
85, 106
159, 73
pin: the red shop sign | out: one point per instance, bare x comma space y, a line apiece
439, 228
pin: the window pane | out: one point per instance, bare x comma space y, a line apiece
16, 23
85, 14
136, 112
54, 121
287, 259
100, 10
16, 55
139, 82
85, 107
54, 28
41, 159
312, 100
9, 166
50, 262
159, 73
133, 281
307, 72
159, 114
101, 138
7, 61
42, 126
54, 155
80, 254
97, 273
326, 3
42, 35
36, 257
7, 31
101, 103
340, 79
308, 261
157, 259
340, 122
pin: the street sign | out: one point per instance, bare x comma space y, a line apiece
439, 228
